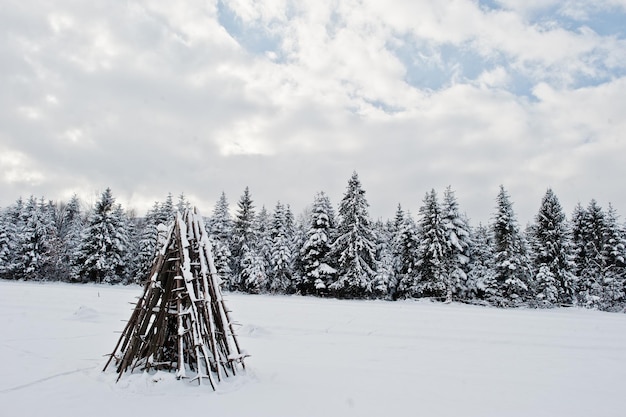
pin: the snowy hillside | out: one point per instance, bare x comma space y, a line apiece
318, 357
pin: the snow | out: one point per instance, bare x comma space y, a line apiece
314, 357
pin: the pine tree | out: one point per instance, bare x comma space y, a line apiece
354, 249
253, 275
281, 273
165, 213
147, 234
70, 229
432, 250
243, 239
481, 280
614, 262
384, 283
511, 261
14, 222
36, 242
588, 232
262, 229
183, 203
406, 253
5, 245
104, 243
318, 274
458, 242
220, 229
552, 254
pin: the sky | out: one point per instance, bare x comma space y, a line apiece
291, 97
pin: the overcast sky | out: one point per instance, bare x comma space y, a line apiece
290, 97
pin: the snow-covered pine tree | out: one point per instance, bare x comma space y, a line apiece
300, 229
146, 244
263, 238
281, 257
70, 229
165, 212
432, 231
458, 243
406, 253
481, 280
511, 260
614, 259
354, 249
14, 223
104, 243
552, 254
314, 253
36, 242
384, 282
6, 247
588, 227
243, 238
220, 224
182, 204
253, 274
220, 228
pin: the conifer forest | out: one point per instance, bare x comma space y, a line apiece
339, 251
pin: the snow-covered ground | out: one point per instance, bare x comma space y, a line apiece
314, 357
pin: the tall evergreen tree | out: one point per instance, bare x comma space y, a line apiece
281, 273
318, 274
164, 213
406, 253
512, 271
458, 242
614, 259
552, 254
14, 222
481, 280
354, 249
588, 234
6, 247
244, 241
104, 243
384, 282
36, 242
433, 281
220, 228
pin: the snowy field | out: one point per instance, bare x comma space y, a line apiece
314, 357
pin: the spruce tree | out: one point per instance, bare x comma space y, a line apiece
314, 253
243, 239
481, 280
406, 254
588, 233
458, 242
104, 243
384, 283
70, 229
512, 271
433, 280
354, 249
6, 247
552, 254
614, 254
36, 242
220, 229
281, 257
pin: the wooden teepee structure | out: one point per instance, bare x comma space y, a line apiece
181, 322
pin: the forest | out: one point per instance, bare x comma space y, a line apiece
555, 261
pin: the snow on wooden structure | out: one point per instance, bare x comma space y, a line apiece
181, 322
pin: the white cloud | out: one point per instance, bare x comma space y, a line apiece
151, 97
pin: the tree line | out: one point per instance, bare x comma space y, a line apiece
554, 261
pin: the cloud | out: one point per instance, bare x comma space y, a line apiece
290, 97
